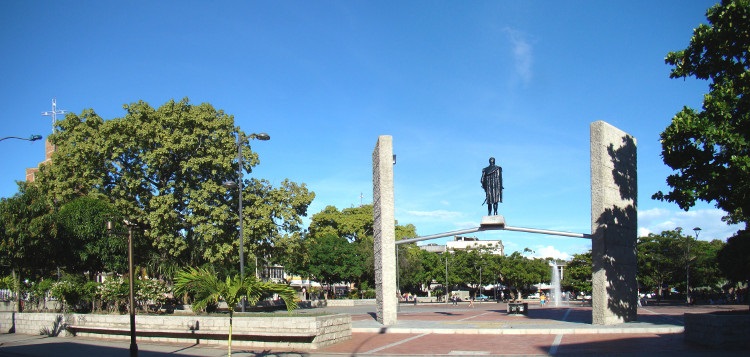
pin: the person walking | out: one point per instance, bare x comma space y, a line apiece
471, 301
542, 299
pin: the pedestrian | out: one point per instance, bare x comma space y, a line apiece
455, 299
542, 299
471, 301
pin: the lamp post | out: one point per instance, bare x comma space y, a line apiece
30, 138
238, 184
697, 231
446, 275
131, 290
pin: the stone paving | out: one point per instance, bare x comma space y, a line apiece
489, 330
446, 330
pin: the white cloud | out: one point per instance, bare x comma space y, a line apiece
522, 54
657, 220
549, 252
436, 214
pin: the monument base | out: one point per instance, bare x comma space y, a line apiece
493, 222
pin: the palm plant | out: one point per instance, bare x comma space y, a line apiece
207, 289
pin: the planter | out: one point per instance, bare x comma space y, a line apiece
294, 332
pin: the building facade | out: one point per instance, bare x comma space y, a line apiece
466, 243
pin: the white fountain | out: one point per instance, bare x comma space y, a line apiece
555, 289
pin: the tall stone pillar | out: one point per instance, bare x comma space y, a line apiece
614, 225
384, 226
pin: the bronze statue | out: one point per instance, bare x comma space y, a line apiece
492, 183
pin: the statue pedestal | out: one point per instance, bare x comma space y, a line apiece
492, 222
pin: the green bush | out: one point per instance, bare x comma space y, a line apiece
69, 292
38, 293
151, 291
6, 282
114, 294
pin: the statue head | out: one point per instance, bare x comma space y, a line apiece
492, 161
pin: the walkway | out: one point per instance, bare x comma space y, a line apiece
439, 329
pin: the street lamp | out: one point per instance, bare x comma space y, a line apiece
697, 231
30, 138
446, 275
238, 184
131, 292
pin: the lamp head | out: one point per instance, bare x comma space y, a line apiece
229, 184
261, 136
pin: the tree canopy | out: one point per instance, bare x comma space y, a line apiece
733, 259
27, 227
84, 237
710, 148
518, 272
664, 260
577, 277
334, 260
163, 169
349, 231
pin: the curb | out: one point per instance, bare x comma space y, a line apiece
522, 331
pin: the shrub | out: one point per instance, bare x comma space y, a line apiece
68, 291
114, 294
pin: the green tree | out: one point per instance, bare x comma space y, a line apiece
468, 265
291, 252
493, 269
733, 259
704, 264
664, 260
28, 234
418, 268
710, 148
660, 261
163, 169
577, 275
335, 259
356, 226
208, 289
519, 272
84, 237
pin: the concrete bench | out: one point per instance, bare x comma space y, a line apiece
414, 301
290, 337
518, 308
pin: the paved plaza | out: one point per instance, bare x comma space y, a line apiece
442, 330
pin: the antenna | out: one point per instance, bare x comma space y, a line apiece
54, 113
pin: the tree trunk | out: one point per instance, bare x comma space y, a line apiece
229, 342
17, 288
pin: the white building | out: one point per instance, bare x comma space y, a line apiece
466, 243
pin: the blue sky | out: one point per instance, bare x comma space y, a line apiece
454, 82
